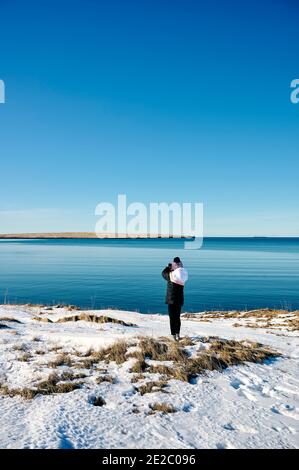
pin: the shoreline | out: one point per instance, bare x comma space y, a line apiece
136, 310
121, 236
78, 308
86, 235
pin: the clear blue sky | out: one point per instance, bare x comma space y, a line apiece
161, 100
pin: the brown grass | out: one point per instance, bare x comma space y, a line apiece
264, 318
24, 358
220, 355
64, 387
53, 384
162, 407
42, 319
224, 353
26, 393
160, 369
186, 341
93, 319
162, 350
153, 386
137, 377
87, 364
19, 347
86, 353
61, 360
139, 366
116, 352
70, 375
293, 323
105, 378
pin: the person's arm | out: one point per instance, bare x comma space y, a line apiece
165, 273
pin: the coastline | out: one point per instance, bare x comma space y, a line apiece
93, 235
84, 235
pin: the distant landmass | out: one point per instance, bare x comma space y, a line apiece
80, 235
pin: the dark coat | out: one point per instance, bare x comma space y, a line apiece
175, 292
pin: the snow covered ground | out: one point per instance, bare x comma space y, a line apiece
245, 406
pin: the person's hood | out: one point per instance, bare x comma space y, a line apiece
179, 276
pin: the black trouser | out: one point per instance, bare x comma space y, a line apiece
174, 311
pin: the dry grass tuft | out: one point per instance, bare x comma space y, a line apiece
153, 386
220, 355
93, 319
86, 353
20, 347
105, 378
262, 318
161, 350
73, 307
152, 348
24, 357
70, 375
53, 384
137, 377
42, 319
139, 366
86, 364
161, 369
237, 352
162, 407
61, 360
116, 352
293, 323
26, 393
186, 341
64, 387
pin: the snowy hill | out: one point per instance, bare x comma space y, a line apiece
59, 389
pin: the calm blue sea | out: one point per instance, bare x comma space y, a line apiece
226, 273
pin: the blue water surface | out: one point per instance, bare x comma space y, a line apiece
226, 273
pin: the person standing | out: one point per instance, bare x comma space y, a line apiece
176, 276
